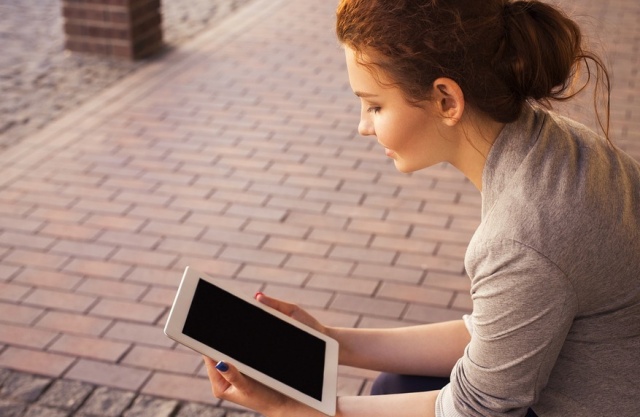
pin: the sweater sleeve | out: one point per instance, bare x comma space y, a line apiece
523, 308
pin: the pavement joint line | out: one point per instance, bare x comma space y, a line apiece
42, 144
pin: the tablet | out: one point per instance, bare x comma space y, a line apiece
262, 343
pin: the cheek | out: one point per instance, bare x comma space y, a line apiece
402, 136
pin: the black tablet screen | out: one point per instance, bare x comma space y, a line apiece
257, 339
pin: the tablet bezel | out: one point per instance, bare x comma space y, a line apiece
178, 315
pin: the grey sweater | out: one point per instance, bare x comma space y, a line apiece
555, 271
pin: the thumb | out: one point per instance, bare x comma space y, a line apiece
231, 374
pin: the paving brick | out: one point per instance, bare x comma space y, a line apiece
89, 347
406, 244
23, 240
389, 273
415, 294
428, 314
71, 231
127, 310
156, 276
15, 313
108, 375
139, 333
98, 268
456, 282
102, 207
380, 256
57, 215
129, 239
431, 263
319, 221
379, 227
193, 230
73, 323
256, 212
231, 237
111, 289
35, 361
159, 296
367, 305
66, 395
163, 359
40, 411
300, 205
12, 292
35, 258
450, 250
272, 275
307, 297
334, 196
343, 284
126, 196
60, 300
320, 265
7, 272
297, 246
253, 256
47, 278
20, 224
340, 236
25, 336
82, 249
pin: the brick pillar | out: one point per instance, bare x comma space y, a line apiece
129, 29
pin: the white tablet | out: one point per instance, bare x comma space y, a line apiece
261, 342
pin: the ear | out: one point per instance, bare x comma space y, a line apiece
449, 100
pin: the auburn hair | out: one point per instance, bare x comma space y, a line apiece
502, 53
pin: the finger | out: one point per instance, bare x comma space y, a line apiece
281, 306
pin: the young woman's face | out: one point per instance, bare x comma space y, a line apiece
410, 135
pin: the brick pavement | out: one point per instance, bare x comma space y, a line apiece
237, 154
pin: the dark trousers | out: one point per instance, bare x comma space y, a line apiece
399, 384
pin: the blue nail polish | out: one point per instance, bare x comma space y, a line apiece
222, 367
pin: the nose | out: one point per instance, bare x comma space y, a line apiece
365, 127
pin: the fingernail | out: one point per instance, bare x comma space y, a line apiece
222, 367
258, 294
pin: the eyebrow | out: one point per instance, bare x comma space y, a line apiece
364, 95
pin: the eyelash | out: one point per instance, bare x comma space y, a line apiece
373, 110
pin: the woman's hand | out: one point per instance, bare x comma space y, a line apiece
293, 311
227, 383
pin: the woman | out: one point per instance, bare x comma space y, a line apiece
555, 262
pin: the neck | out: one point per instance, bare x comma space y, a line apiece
476, 137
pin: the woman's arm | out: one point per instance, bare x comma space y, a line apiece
229, 384
430, 349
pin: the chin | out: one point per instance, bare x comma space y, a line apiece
404, 169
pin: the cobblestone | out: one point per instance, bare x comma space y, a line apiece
40, 81
27, 395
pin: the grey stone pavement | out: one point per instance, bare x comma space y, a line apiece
237, 153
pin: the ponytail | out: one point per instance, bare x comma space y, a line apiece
541, 55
